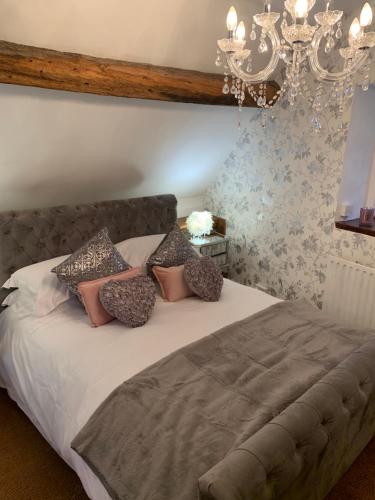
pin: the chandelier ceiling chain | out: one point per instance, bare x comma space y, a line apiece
298, 44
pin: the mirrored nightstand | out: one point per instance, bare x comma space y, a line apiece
215, 246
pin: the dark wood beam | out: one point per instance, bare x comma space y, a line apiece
51, 69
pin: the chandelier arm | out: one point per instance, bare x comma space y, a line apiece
324, 74
263, 75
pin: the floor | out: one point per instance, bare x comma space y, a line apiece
31, 470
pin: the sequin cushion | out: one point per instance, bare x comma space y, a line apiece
95, 259
204, 278
173, 251
131, 301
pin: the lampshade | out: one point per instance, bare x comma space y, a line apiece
200, 223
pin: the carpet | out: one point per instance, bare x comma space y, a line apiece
31, 470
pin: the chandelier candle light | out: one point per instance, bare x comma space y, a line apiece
298, 47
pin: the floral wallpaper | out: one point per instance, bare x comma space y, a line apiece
278, 191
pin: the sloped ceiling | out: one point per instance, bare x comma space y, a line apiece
58, 147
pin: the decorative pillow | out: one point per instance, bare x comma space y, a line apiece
95, 259
172, 283
204, 278
89, 291
131, 301
174, 250
39, 291
137, 251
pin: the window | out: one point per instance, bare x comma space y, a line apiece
371, 188
358, 183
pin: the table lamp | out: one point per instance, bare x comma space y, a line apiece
199, 224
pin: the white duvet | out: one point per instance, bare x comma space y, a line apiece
59, 369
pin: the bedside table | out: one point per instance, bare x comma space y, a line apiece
215, 246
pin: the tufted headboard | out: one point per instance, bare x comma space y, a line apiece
30, 236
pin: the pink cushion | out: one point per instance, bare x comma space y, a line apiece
172, 283
89, 291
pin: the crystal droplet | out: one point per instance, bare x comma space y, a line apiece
233, 89
329, 45
263, 47
339, 33
349, 91
253, 35
249, 68
283, 53
218, 61
366, 81
226, 89
260, 101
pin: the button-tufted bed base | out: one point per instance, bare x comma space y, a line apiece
30, 236
303, 452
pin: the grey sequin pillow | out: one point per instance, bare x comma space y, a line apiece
204, 278
130, 301
95, 259
174, 250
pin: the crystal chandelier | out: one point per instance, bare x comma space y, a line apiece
300, 47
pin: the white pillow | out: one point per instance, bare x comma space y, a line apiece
136, 251
40, 291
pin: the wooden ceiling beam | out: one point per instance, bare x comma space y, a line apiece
51, 69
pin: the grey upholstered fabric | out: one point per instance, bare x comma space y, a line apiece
162, 430
204, 278
30, 236
304, 451
97, 258
4, 292
130, 301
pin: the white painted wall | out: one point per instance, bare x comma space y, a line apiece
58, 147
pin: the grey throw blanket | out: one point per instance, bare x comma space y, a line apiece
158, 432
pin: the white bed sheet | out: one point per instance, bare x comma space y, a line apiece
59, 369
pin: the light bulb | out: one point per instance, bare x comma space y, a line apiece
355, 29
241, 31
301, 8
232, 19
366, 15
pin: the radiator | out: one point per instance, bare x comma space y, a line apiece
349, 294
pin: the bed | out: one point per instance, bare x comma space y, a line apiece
59, 370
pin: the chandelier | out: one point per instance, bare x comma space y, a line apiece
300, 45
